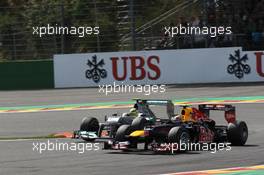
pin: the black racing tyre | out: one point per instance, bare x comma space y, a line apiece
121, 132
179, 135
138, 123
89, 124
237, 133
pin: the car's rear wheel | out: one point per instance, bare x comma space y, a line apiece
237, 133
180, 136
89, 124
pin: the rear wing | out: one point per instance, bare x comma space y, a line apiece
230, 110
154, 101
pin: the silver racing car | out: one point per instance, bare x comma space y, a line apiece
91, 130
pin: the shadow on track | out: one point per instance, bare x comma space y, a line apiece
150, 153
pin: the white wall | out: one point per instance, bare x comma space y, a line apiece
176, 67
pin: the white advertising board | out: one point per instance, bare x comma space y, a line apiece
212, 65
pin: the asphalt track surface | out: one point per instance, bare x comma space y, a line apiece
17, 157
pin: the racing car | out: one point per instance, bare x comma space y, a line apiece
193, 125
91, 130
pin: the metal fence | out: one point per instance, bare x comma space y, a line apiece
122, 27
200, 41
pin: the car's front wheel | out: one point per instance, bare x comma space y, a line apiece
121, 133
180, 137
138, 123
89, 124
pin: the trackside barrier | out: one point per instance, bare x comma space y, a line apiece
26, 75
187, 66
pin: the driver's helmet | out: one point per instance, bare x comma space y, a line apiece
187, 115
133, 112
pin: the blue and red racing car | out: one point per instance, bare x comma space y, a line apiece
193, 125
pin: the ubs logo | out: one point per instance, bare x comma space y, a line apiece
239, 66
96, 71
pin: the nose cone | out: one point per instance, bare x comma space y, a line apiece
138, 133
